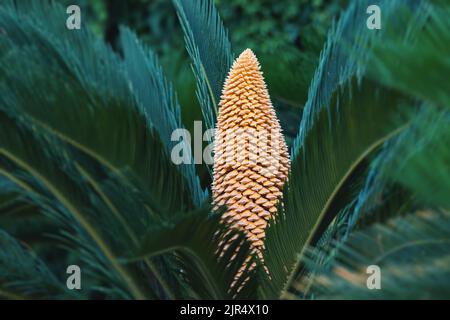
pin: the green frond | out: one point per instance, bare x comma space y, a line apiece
378, 199
210, 51
156, 97
331, 155
71, 124
396, 62
23, 275
410, 172
367, 208
95, 112
345, 55
406, 249
199, 240
7, 196
42, 170
287, 84
346, 119
419, 159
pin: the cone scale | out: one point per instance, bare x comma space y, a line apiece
251, 160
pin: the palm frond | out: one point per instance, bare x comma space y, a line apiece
410, 172
331, 154
156, 96
210, 51
208, 263
406, 249
43, 173
397, 61
344, 122
366, 209
290, 85
419, 158
23, 275
418, 150
63, 144
7, 196
346, 53
101, 117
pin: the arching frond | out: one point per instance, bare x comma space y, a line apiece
210, 51
412, 253
23, 275
344, 121
209, 264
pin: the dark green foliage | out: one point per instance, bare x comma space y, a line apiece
413, 253
269, 27
393, 185
210, 52
329, 156
24, 275
197, 236
86, 176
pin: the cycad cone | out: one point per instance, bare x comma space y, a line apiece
249, 183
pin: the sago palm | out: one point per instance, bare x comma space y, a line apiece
87, 179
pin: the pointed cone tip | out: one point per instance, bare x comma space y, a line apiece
248, 53
245, 57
